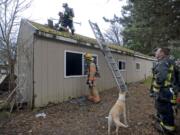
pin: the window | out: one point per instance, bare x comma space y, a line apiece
85, 63
122, 65
138, 66
73, 65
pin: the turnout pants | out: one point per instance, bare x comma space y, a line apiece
94, 94
165, 109
68, 23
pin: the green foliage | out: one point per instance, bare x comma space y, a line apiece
176, 53
149, 24
148, 81
4, 115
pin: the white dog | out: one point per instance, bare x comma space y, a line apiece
115, 112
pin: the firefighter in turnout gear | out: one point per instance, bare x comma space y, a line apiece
165, 97
91, 78
60, 22
177, 75
67, 19
177, 84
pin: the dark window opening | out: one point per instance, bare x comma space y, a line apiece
138, 66
122, 65
73, 64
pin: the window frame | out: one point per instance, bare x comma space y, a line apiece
123, 62
76, 52
83, 62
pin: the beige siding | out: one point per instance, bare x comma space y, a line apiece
50, 83
25, 63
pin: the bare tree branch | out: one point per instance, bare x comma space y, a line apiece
113, 34
9, 18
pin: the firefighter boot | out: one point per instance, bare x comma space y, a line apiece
90, 97
96, 97
72, 31
159, 128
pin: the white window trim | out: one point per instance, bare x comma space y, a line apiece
125, 65
140, 66
74, 76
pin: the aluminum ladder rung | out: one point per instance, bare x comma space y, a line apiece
109, 57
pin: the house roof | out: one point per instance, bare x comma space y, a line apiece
47, 29
44, 30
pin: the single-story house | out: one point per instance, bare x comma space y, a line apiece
51, 67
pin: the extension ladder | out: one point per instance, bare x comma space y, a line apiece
109, 57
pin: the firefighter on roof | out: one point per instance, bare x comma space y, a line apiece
67, 20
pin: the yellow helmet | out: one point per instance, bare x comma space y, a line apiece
88, 56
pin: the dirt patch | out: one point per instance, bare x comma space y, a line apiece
80, 117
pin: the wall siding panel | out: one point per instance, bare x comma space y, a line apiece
52, 86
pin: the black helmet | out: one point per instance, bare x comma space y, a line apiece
65, 5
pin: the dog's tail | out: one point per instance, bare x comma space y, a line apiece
120, 124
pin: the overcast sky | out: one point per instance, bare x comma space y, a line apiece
84, 10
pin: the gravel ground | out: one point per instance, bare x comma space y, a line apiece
81, 117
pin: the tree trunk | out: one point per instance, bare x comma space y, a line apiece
11, 75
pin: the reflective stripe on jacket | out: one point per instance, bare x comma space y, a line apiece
163, 75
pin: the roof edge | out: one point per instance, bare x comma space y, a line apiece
47, 32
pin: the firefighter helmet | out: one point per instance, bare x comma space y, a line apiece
88, 56
65, 5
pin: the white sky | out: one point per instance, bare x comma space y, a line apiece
84, 10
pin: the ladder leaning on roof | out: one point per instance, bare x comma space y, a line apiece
109, 57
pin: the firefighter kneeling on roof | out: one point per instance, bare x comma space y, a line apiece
91, 78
